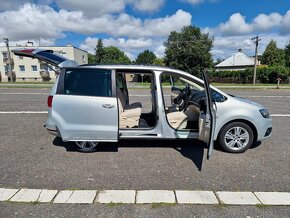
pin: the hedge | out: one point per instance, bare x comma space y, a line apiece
264, 75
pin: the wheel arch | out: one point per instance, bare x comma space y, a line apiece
250, 124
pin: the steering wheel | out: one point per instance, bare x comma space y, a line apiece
183, 95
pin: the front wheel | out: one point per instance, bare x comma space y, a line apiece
86, 146
236, 137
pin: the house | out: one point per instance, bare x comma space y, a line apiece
238, 61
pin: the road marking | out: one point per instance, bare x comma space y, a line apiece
116, 196
144, 197
155, 196
23, 112
237, 198
23, 93
26, 195
280, 115
82, 197
274, 198
196, 197
269, 96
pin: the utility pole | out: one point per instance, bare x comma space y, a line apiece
256, 41
6, 41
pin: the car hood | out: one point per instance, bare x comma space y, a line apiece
248, 102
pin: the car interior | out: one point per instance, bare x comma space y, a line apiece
182, 100
132, 113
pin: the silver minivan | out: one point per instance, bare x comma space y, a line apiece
89, 104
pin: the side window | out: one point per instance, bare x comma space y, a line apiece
88, 82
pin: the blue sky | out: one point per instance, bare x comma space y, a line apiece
136, 25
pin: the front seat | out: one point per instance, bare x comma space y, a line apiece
177, 120
129, 115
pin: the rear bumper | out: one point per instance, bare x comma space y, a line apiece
51, 129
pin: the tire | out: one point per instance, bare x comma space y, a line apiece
86, 146
236, 137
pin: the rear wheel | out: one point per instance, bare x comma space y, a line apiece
236, 137
86, 146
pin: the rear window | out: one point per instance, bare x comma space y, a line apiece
89, 82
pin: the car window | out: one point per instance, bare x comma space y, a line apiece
89, 82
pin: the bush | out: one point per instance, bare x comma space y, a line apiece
45, 76
264, 75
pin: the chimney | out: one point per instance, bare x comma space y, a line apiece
240, 50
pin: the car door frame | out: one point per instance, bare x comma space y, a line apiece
209, 121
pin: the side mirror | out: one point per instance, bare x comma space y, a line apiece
217, 97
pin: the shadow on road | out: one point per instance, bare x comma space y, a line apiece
191, 149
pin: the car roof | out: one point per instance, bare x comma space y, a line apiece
130, 67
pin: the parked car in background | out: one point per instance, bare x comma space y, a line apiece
91, 103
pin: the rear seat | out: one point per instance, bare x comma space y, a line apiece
129, 115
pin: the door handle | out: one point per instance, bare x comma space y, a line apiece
108, 106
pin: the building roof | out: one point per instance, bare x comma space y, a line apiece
236, 60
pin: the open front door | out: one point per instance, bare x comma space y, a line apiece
47, 56
207, 118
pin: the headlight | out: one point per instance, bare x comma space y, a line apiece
264, 113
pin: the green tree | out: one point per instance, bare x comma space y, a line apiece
91, 58
145, 57
113, 55
273, 56
188, 50
99, 52
159, 62
287, 55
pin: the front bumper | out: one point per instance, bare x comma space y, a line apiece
264, 129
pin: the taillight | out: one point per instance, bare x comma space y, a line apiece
49, 101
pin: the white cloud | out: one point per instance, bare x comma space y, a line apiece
93, 8
44, 21
286, 23
159, 51
30, 22
163, 26
148, 5
266, 22
237, 25
193, 2
12, 4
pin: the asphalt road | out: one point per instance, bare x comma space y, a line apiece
32, 158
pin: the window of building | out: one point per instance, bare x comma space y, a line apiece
34, 67
6, 67
89, 82
22, 68
84, 59
5, 55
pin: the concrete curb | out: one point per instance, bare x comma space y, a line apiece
144, 197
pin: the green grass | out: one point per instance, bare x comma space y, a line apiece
111, 204
262, 206
30, 82
28, 87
